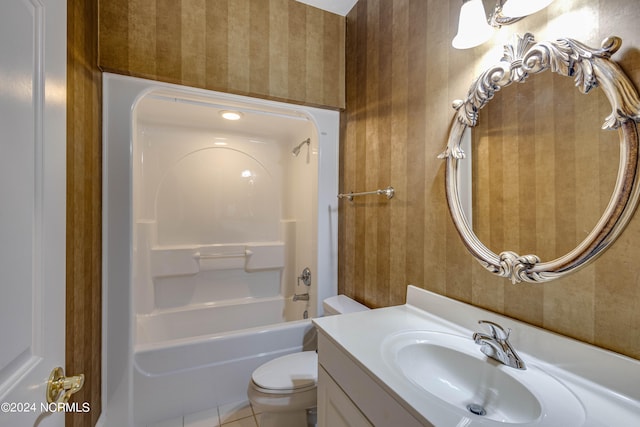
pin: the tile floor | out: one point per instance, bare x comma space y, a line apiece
238, 414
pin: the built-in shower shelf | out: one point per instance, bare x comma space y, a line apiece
168, 261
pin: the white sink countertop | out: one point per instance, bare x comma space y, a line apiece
606, 384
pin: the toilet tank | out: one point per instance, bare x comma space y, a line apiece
341, 304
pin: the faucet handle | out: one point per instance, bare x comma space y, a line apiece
305, 277
497, 331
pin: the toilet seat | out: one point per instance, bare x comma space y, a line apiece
284, 385
293, 373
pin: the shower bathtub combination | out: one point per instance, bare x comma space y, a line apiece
208, 226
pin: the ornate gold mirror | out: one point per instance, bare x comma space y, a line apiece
590, 68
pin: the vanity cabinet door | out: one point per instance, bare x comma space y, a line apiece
335, 409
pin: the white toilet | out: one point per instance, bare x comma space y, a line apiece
284, 389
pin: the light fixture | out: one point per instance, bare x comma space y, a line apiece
474, 28
231, 115
519, 8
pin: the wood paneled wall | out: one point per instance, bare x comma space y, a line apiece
84, 206
276, 49
401, 76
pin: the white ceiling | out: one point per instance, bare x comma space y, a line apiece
340, 7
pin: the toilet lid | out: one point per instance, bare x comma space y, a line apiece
290, 372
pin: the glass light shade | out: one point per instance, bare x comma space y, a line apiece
473, 28
518, 8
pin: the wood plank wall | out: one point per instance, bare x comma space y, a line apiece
84, 206
401, 76
274, 49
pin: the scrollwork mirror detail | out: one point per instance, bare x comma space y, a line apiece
590, 68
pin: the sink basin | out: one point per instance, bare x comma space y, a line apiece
452, 369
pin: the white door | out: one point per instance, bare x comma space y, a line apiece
32, 206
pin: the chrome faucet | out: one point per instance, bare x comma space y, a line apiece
305, 277
497, 345
300, 297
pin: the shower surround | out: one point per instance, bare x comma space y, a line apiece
208, 224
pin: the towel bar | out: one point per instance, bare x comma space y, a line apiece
389, 192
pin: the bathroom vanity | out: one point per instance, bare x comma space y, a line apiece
355, 398
417, 365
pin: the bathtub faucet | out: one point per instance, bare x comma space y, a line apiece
301, 297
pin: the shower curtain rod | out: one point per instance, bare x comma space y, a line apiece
389, 192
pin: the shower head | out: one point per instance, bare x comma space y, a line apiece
296, 149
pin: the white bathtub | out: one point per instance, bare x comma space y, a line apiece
208, 319
175, 373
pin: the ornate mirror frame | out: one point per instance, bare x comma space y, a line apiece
590, 68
